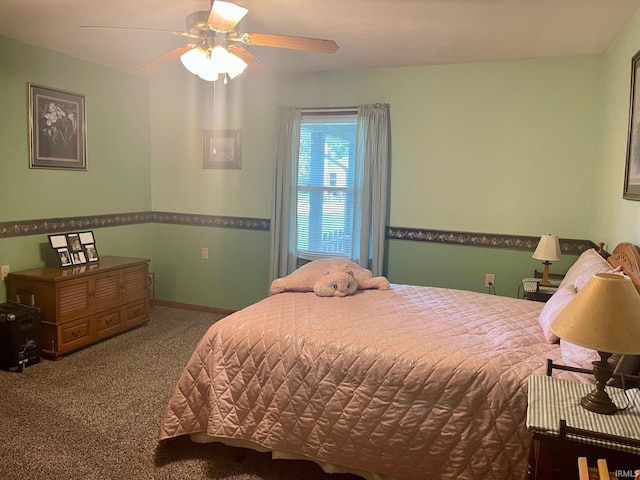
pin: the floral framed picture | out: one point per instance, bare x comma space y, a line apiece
57, 129
223, 149
632, 167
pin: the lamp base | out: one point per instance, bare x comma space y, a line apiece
598, 400
545, 275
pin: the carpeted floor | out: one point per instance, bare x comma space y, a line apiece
95, 414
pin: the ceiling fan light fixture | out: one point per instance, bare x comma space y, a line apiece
208, 74
226, 14
227, 62
219, 58
216, 27
209, 65
235, 65
194, 59
208, 69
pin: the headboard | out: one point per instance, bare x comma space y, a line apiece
626, 256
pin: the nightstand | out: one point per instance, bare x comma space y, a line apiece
563, 430
534, 291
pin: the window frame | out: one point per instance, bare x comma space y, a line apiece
351, 190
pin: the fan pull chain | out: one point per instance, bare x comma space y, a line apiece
213, 122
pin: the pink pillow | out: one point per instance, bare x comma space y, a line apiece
552, 308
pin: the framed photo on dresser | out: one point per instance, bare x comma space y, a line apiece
89, 246
74, 248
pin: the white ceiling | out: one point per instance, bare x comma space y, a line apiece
370, 33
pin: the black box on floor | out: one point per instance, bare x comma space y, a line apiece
19, 336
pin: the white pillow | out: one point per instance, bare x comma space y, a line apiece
588, 264
552, 308
577, 356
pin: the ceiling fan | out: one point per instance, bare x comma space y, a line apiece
218, 49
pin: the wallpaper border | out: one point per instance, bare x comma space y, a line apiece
47, 226
568, 246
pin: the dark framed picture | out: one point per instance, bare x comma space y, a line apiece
57, 129
91, 252
223, 149
73, 242
632, 168
74, 248
89, 246
78, 258
64, 258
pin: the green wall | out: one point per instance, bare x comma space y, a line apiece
616, 220
521, 148
118, 154
118, 138
463, 268
505, 147
232, 277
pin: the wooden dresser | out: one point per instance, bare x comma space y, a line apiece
84, 304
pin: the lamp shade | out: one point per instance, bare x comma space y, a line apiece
604, 316
208, 64
548, 249
208, 70
193, 59
235, 66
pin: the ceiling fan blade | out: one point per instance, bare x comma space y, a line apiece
225, 16
165, 58
285, 41
254, 66
179, 34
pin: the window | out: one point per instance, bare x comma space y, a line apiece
327, 185
331, 184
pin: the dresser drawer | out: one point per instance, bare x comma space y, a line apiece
74, 334
108, 323
136, 313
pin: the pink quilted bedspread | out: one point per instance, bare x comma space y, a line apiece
412, 383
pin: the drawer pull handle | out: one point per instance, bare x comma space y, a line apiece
136, 311
75, 333
109, 321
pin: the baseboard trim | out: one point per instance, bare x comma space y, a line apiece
190, 306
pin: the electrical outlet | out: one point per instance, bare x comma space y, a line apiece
4, 271
205, 253
490, 280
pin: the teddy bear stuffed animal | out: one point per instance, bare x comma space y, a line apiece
329, 277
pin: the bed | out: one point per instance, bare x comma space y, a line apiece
410, 383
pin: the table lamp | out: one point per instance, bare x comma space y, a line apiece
603, 316
548, 250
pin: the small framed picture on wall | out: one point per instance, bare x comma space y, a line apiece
223, 149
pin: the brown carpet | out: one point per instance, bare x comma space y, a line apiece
95, 414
